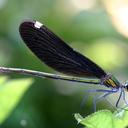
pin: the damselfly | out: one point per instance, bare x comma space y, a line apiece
55, 53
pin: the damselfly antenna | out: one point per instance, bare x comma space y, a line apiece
55, 53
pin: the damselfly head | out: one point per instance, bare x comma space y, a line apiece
126, 86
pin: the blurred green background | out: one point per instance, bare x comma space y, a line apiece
96, 28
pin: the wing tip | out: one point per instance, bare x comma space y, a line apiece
32, 23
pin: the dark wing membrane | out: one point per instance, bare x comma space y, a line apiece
56, 53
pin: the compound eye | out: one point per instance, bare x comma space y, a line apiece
126, 86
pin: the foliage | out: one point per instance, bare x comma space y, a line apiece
11, 91
104, 119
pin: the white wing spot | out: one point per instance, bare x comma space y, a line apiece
38, 24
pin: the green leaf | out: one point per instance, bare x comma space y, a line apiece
11, 91
3, 79
104, 119
120, 119
78, 117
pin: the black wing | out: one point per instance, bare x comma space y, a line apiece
56, 53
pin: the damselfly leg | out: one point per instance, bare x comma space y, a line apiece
98, 98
